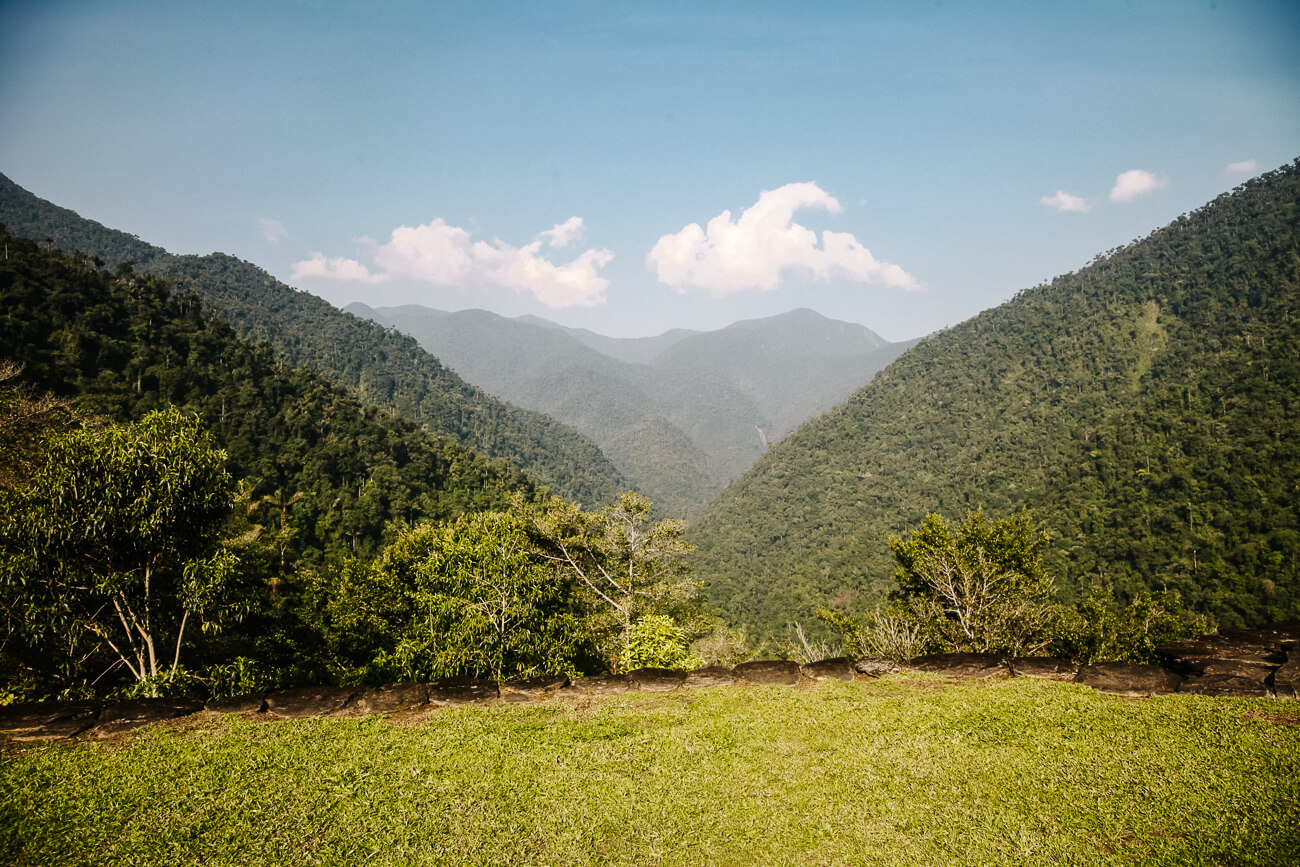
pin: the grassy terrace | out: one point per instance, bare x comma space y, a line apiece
906, 770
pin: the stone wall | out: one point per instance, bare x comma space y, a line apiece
1262, 662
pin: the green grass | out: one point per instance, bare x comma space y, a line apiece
898, 771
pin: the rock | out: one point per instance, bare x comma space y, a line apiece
48, 720
710, 675
533, 688
1044, 668
769, 672
838, 668
974, 665
1122, 678
875, 666
308, 701
252, 703
1226, 685
608, 684
120, 716
1238, 653
390, 698
462, 690
1283, 636
1286, 680
657, 679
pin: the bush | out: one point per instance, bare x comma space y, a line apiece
656, 641
1101, 630
879, 633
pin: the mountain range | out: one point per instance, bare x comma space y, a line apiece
681, 414
1145, 411
386, 369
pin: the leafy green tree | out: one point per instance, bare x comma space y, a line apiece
980, 586
116, 539
280, 503
461, 598
626, 564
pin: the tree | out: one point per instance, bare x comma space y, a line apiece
980, 587
280, 502
459, 598
118, 534
627, 565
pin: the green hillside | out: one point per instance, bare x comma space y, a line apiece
120, 345
1146, 409
386, 369
693, 412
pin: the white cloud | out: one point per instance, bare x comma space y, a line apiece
319, 266
763, 245
563, 234
1065, 202
272, 230
445, 255
1245, 167
1136, 182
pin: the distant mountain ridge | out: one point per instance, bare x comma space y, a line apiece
386, 369
1145, 409
680, 414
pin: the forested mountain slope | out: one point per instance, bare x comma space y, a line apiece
1145, 409
694, 414
387, 369
121, 344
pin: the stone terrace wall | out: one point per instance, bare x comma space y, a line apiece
1262, 662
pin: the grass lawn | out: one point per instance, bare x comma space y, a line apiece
906, 770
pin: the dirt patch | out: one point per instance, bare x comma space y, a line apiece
1281, 719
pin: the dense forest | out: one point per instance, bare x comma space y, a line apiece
385, 368
1145, 409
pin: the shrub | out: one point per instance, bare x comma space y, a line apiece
655, 641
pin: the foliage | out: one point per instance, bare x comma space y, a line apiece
239, 676
880, 633
463, 598
656, 642
890, 772
720, 644
116, 537
1144, 409
1102, 630
981, 587
624, 564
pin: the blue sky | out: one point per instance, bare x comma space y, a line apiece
902, 165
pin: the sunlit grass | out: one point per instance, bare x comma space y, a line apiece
900, 771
